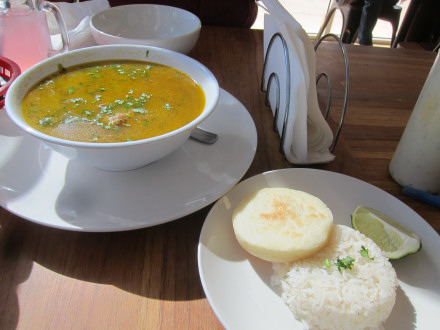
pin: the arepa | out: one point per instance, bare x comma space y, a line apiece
282, 224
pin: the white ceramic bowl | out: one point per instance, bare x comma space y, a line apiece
144, 24
122, 155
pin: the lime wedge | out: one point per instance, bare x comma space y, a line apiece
395, 240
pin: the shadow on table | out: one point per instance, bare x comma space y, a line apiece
158, 262
11, 276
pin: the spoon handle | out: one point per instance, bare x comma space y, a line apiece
203, 136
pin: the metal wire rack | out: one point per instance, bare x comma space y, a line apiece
274, 79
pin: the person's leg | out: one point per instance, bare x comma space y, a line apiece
370, 13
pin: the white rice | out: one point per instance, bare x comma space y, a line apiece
323, 298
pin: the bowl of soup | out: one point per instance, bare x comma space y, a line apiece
147, 24
116, 107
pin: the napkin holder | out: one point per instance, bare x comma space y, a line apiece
274, 79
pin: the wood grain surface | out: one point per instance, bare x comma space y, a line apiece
148, 278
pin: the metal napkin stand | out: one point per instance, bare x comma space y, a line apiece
273, 77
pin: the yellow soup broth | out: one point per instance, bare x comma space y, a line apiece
113, 102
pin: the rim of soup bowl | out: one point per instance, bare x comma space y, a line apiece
182, 43
172, 43
33, 75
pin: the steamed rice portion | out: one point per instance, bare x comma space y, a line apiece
324, 298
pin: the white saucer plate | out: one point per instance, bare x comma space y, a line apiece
237, 284
42, 186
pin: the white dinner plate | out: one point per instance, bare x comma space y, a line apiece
237, 284
42, 186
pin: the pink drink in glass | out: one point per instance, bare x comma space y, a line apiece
24, 37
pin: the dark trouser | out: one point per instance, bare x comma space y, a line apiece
370, 14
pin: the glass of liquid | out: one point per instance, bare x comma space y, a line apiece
24, 32
416, 161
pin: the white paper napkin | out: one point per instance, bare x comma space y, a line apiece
308, 136
77, 17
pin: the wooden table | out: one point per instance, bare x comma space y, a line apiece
148, 278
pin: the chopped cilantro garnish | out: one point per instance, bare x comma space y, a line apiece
46, 121
70, 90
364, 252
70, 119
327, 263
345, 263
78, 99
139, 110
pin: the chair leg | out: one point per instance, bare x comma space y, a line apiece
327, 20
394, 32
350, 26
392, 15
328, 27
350, 22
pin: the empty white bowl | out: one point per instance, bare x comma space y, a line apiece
121, 155
144, 24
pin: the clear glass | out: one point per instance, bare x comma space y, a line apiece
24, 33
